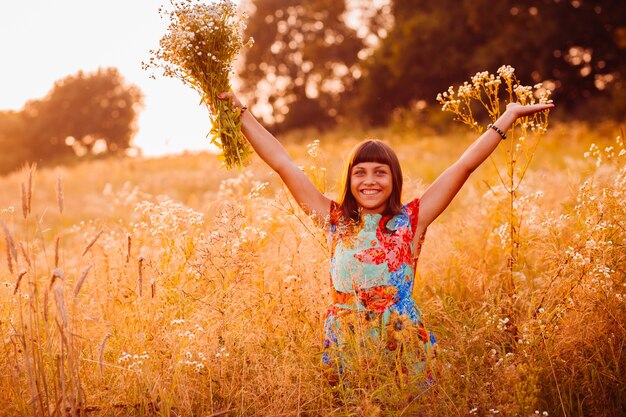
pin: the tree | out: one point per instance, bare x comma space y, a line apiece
13, 151
426, 48
83, 113
578, 47
303, 62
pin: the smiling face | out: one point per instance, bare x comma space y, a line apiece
372, 181
371, 184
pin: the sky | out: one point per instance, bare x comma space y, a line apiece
42, 41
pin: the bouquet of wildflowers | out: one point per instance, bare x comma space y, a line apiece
199, 48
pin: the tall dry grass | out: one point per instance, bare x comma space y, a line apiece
170, 287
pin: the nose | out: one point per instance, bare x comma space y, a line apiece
369, 179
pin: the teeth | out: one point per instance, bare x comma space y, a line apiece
369, 192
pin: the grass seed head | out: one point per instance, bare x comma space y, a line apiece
101, 355
19, 280
79, 284
57, 274
11, 251
25, 254
140, 275
60, 303
128, 246
56, 251
59, 194
92, 242
24, 202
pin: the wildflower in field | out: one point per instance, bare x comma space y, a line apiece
133, 362
484, 90
484, 93
199, 48
196, 364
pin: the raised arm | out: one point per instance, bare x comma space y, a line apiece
275, 155
441, 192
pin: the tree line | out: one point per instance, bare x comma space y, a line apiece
83, 114
321, 61
317, 61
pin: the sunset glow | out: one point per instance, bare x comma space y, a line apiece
46, 41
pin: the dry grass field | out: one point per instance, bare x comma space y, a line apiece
172, 287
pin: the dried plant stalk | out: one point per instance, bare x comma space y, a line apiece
9, 258
59, 194
79, 284
140, 275
91, 243
24, 203
57, 273
11, 251
19, 280
128, 245
46, 297
60, 302
9, 237
56, 252
29, 190
101, 355
25, 254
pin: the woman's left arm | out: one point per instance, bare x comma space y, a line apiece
441, 192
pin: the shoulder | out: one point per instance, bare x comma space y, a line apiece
412, 211
412, 206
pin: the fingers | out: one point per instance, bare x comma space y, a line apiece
230, 96
521, 110
541, 107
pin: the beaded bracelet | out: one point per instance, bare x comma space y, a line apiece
497, 129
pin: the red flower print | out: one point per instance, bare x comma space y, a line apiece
395, 249
378, 298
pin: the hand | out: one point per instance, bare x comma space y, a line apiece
518, 110
232, 97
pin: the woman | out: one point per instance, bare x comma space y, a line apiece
375, 243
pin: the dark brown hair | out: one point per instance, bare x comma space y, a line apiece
372, 150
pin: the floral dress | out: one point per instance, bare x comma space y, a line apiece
373, 317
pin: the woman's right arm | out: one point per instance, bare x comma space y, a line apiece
271, 151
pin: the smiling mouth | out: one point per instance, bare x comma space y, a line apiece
370, 192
